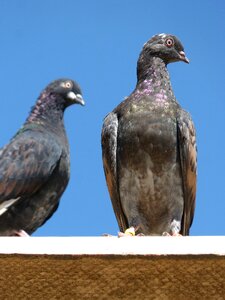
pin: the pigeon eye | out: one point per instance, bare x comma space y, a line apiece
169, 42
68, 84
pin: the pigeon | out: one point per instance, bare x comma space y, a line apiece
35, 164
149, 149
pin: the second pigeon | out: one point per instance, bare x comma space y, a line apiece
149, 149
35, 165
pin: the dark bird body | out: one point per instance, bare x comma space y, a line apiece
149, 150
35, 165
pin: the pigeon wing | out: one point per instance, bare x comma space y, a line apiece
109, 156
188, 157
26, 164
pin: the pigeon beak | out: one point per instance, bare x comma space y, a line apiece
183, 57
76, 98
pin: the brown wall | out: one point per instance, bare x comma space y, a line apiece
112, 277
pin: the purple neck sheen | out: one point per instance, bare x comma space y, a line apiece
47, 108
152, 79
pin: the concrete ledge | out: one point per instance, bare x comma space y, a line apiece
196, 245
112, 268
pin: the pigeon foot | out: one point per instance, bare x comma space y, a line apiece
131, 231
107, 235
173, 234
21, 233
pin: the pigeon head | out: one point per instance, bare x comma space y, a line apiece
165, 46
66, 91
54, 99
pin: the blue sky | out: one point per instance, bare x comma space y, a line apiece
97, 43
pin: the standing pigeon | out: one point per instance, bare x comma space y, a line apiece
149, 149
35, 165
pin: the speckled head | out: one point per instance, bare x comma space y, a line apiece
167, 47
54, 99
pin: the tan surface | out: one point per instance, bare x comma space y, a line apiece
112, 277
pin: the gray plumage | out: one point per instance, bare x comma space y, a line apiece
35, 165
149, 148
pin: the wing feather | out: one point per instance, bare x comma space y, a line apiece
188, 158
26, 164
109, 151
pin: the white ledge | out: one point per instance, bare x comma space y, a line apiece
195, 245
